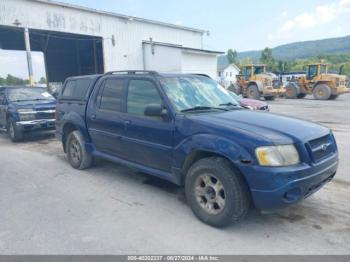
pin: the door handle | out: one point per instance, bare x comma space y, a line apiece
93, 116
127, 122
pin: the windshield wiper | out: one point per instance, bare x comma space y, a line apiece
199, 108
228, 104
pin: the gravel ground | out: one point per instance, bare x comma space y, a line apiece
46, 207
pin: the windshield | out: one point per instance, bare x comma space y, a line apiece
235, 96
323, 69
186, 92
29, 94
258, 70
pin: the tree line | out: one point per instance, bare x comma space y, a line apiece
16, 81
280, 66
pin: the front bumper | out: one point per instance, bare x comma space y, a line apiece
38, 124
273, 188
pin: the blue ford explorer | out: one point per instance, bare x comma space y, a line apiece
26, 109
190, 131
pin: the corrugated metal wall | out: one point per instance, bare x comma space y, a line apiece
126, 53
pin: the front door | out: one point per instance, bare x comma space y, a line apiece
148, 140
104, 118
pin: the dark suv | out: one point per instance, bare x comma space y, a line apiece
189, 130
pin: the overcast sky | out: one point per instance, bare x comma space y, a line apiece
15, 63
241, 25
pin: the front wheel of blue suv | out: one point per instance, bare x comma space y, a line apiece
216, 192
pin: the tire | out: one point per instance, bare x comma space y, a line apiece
77, 155
270, 98
15, 133
301, 96
322, 92
291, 92
218, 208
253, 92
333, 97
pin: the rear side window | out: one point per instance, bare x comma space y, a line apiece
76, 89
140, 94
111, 95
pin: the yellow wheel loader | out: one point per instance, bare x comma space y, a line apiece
318, 82
256, 83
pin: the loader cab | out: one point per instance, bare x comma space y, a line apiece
251, 70
248, 72
315, 70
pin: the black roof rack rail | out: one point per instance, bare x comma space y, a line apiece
132, 72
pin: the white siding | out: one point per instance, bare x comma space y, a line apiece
201, 63
165, 59
127, 52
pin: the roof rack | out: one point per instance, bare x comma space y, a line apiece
132, 72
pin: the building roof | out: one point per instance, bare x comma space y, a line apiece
222, 63
233, 65
183, 47
143, 20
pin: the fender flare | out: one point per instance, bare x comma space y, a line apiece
79, 123
211, 145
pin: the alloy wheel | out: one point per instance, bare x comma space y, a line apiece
210, 193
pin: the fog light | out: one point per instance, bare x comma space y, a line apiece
292, 195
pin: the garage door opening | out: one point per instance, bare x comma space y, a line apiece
64, 54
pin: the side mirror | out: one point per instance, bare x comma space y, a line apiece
155, 110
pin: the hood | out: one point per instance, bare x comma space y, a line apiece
333, 77
276, 129
252, 102
36, 105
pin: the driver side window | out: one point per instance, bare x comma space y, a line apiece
141, 93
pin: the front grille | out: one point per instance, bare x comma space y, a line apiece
321, 148
49, 114
342, 83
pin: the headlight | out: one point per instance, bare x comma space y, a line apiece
284, 155
26, 114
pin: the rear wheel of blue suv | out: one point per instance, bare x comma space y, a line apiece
77, 155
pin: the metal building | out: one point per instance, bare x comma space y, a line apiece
77, 40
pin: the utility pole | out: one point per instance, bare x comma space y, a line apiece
29, 56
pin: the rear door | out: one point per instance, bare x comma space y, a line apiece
104, 116
148, 140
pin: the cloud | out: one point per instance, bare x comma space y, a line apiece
322, 14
